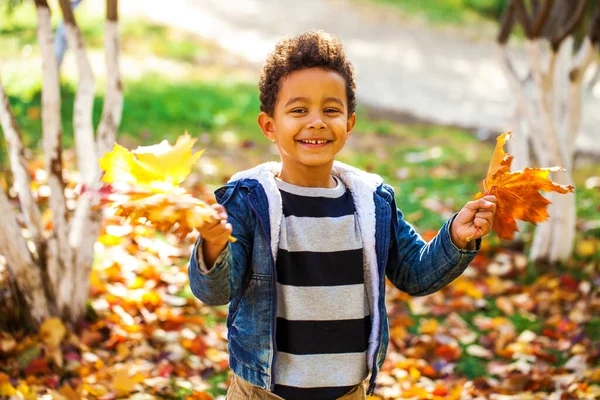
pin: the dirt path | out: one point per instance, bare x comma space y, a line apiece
432, 75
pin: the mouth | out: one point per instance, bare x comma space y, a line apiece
314, 143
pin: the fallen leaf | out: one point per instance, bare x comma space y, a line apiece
52, 331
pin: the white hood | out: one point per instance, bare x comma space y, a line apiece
362, 186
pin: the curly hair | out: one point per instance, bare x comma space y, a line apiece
315, 48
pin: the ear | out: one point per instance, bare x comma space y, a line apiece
350, 123
267, 125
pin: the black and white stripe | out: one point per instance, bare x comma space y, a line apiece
323, 318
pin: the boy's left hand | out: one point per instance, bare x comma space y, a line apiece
473, 221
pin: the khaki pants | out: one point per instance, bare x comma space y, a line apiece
242, 390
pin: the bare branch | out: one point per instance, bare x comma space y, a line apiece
507, 22
594, 33
67, 11
570, 26
18, 164
523, 17
509, 68
84, 99
584, 57
112, 10
541, 16
113, 100
52, 143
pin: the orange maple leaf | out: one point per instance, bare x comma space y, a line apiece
518, 192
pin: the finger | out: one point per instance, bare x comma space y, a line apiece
481, 205
483, 225
490, 198
207, 224
488, 215
216, 228
221, 211
211, 229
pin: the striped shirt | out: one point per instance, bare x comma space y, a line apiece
323, 318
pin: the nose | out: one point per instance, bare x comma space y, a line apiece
317, 123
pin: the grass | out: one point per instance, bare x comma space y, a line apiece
18, 36
448, 12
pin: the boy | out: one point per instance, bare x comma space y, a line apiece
315, 240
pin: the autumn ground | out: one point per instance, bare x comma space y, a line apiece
500, 331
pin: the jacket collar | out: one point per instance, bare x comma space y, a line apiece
362, 186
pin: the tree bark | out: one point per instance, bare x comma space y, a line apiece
113, 99
59, 258
18, 164
21, 265
86, 222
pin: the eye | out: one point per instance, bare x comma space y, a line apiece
332, 110
298, 111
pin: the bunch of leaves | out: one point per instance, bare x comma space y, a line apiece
145, 186
518, 192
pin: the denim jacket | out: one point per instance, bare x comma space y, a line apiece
244, 274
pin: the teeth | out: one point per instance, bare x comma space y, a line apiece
314, 141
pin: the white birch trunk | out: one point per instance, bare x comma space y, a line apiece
61, 260
18, 164
113, 99
555, 238
27, 274
85, 223
83, 109
551, 115
87, 226
565, 206
564, 218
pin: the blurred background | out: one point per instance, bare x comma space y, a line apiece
433, 95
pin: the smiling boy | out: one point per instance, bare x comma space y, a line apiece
316, 238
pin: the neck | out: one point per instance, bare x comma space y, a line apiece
308, 176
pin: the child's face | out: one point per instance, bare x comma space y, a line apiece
311, 105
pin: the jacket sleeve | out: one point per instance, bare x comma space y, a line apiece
222, 282
420, 268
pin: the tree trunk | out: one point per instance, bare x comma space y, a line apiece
555, 239
59, 258
86, 222
18, 164
27, 274
113, 99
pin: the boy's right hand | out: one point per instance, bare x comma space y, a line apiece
215, 234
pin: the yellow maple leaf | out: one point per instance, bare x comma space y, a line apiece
144, 185
158, 168
172, 163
